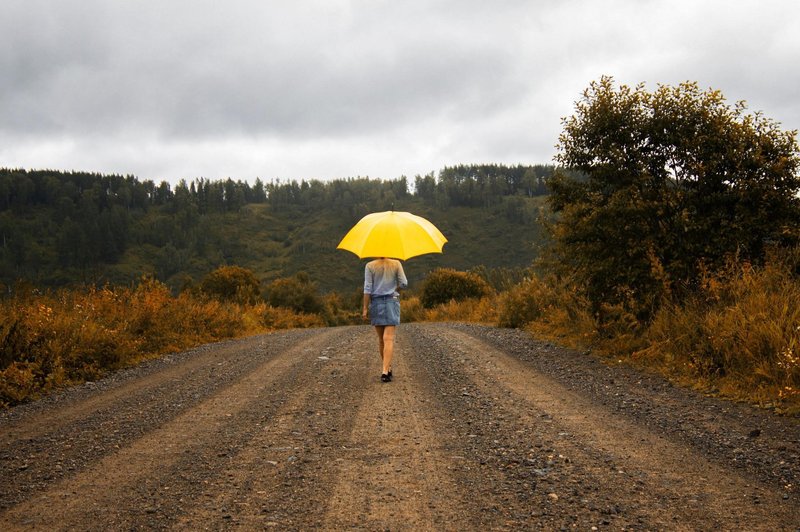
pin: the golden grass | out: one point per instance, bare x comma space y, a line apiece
738, 336
483, 310
55, 339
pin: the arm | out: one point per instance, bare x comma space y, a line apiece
402, 282
365, 306
367, 290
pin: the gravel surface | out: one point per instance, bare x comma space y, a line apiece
482, 428
735, 434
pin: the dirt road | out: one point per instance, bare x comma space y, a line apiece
481, 429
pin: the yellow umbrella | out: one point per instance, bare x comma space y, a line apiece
399, 235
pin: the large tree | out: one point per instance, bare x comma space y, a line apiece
674, 181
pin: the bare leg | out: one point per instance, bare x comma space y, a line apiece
379, 329
387, 347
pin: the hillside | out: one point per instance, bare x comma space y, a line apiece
64, 228
278, 244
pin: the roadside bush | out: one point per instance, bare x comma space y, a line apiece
483, 310
18, 381
502, 279
652, 201
232, 283
284, 318
444, 285
526, 302
55, 339
740, 333
338, 310
411, 310
298, 293
548, 307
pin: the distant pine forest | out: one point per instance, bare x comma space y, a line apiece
66, 228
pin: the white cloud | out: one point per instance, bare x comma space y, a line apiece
322, 89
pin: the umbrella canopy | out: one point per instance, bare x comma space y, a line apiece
399, 235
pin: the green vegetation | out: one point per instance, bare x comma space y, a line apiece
298, 293
678, 246
59, 228
676, 182
445, 284
231, 283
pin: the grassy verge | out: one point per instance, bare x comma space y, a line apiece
737, 336
51, 340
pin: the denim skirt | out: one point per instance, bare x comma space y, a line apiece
384, 310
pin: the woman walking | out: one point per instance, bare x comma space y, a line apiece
383, 278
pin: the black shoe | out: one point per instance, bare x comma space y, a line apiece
390, 374
385, 377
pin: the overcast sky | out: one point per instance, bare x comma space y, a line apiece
296, 89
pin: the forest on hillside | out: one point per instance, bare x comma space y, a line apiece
60, 228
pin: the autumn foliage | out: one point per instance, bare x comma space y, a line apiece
48, 340
445, 284
232, 283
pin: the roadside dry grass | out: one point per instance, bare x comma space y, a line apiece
737, 336
49, 340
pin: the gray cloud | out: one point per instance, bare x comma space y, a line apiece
332, 88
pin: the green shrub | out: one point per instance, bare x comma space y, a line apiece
298, 293
232, 283
444, 285
525, 303
658, 201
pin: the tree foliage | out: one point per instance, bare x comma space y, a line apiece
445, 284
232, 283
482, 185
58, 228
298, 293
676, 180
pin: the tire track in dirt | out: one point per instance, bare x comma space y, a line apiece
345, 451
597, 461
295, 432
172, 462
394, 472
281, 478
494, 459
66, 436
734, 435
